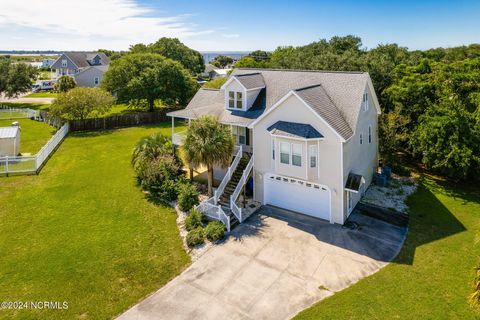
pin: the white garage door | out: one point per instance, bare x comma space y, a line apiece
297, 195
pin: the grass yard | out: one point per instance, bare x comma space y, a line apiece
33, 136
42, 95
433, 275
82, 232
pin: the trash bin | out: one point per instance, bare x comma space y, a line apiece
387, 171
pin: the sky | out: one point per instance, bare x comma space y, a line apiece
227, 25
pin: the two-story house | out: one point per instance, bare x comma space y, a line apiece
307, 140
87, 68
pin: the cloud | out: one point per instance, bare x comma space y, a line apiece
69, 24
231, 35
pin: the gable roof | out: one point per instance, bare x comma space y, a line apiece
8, 132
294, 129
82, 59
335, 96
317, 98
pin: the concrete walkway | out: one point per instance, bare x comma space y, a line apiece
272, 267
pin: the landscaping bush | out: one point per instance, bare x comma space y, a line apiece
194, 220
195, 237
215, 230
187, 196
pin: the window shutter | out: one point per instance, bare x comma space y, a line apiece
247, 136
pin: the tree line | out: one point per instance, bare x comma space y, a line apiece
430, 99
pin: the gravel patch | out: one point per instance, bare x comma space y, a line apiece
394, 195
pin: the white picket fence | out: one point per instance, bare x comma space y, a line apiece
32, 164
16, 113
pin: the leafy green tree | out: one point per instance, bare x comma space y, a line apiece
147, 76
81, 103
174, 49
447, 139
222, 61
65, 83
15, 78
259, 55
208, 143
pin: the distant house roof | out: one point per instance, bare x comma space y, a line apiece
294, 129
85, 59
9, 132
334, 96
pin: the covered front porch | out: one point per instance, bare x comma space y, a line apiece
243, 136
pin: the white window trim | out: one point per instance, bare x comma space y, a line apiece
289, 153
312, 153
296, 154
235, 100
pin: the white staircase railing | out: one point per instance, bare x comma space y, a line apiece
213, 211
218, 192
237, 211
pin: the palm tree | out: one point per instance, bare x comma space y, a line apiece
208, 143
151, 148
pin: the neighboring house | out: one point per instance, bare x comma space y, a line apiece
9, 141
213, 72
47, 63
310, 138
86, 67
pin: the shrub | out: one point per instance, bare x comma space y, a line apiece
215, 230
159, 177
187, 196
65, 83
195, 237
194, 220
81, 103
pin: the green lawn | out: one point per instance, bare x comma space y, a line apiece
433, 275
33, 134
42, 95
84, 233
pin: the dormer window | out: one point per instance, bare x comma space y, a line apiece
235, 100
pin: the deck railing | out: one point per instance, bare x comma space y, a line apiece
228, 175
211, 210
237, 211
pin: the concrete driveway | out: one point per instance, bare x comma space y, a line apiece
272, 267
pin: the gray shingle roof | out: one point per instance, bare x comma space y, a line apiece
81, 59
317, 98
335, 96
251, 80
294, 129
8, 132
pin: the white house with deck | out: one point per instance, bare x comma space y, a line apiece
307, 141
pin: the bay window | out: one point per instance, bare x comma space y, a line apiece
285, 152
297, 154
313, 156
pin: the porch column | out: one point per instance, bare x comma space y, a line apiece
306, 160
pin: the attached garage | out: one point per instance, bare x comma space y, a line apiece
297, 195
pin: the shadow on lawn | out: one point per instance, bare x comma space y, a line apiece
430, 220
